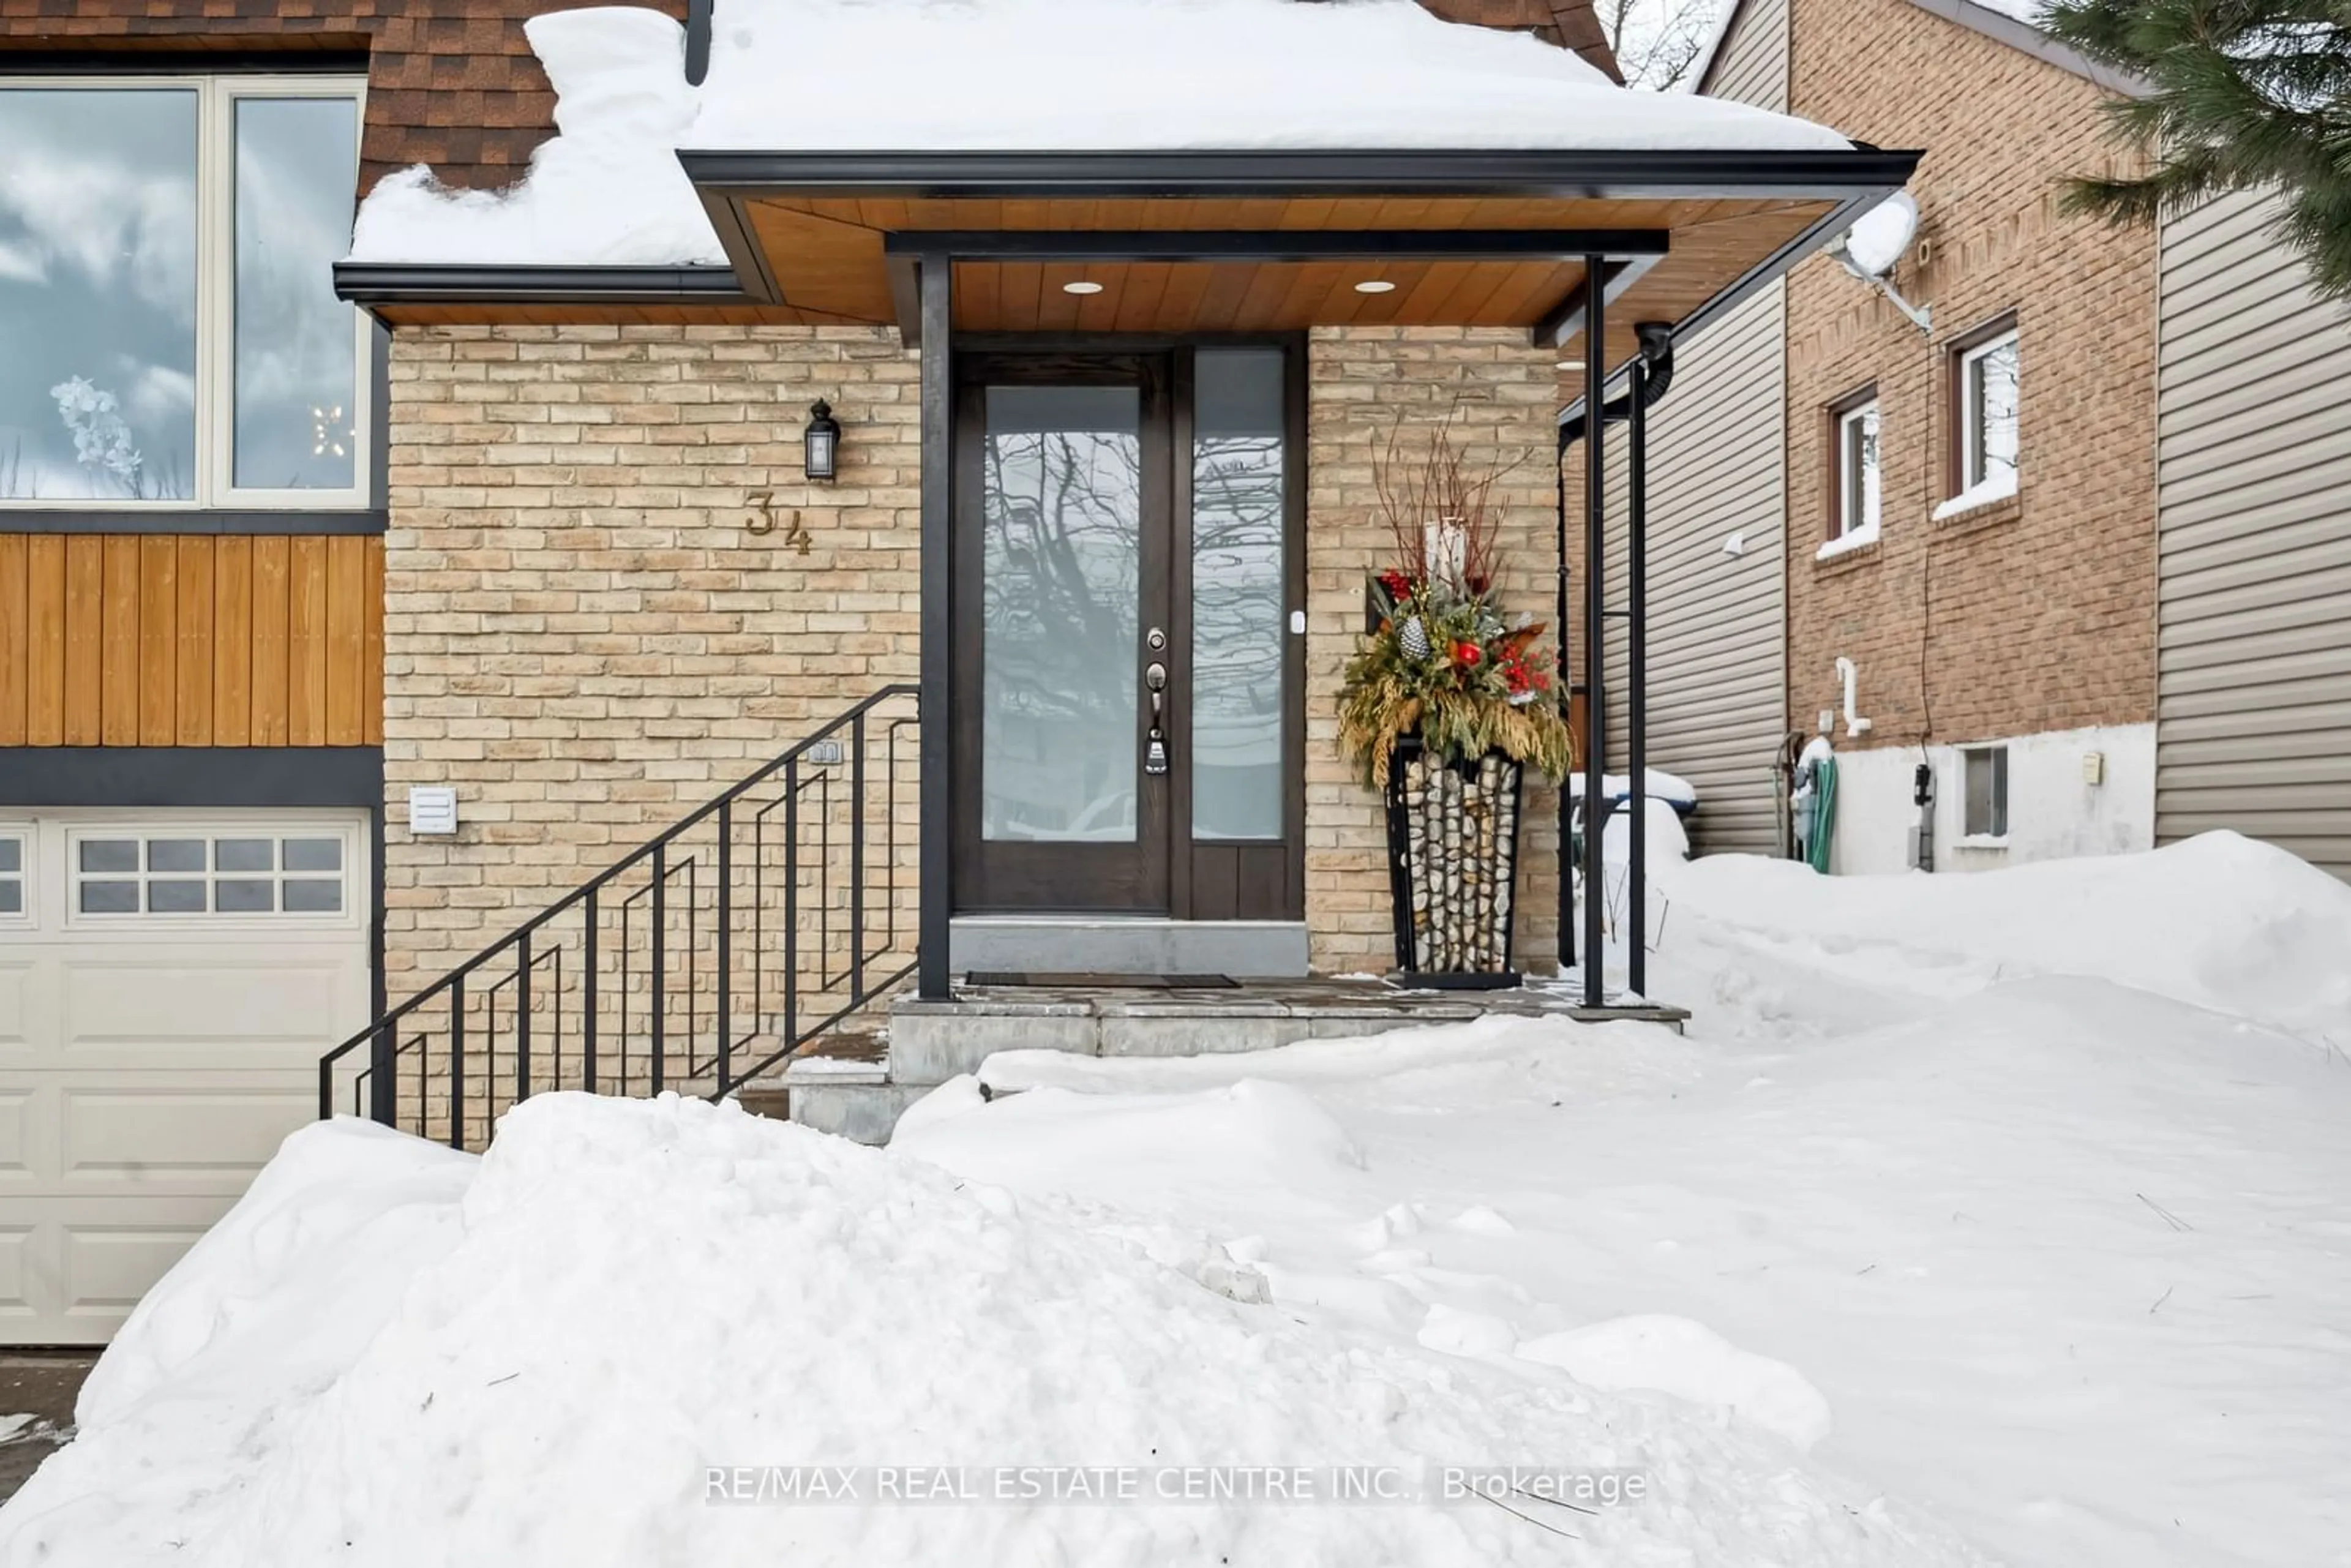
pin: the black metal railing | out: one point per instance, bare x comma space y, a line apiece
696, 963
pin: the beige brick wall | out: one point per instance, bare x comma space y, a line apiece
581, 631
1361, 380
2033, 616
583, 634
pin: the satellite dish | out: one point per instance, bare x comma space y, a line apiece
1876, 243
1879, 237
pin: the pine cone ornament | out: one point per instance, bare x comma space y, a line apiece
1413, 638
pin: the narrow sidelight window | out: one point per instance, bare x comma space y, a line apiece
1237, 594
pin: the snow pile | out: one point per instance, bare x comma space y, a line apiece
1689, 1360
2219, 921
1026, 75
645, 1290
1660, 785
606, 189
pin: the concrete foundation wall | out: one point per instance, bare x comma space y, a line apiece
2052, 811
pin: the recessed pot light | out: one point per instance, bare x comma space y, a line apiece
1375, 286
1081, 288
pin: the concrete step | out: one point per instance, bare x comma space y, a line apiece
932, 1041
1126, 946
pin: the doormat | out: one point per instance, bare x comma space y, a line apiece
1101, 982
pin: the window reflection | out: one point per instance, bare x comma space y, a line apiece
97, 294
1237, 593
296, 349
1061, 567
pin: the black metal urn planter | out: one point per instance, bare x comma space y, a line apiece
1453, 865
1446, 705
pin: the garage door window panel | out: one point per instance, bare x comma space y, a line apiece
178, 874
13, 867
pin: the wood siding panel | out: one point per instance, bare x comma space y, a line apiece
306, 643
119, 642
233, 641
2253, 476
1716, 618
84, 633
168, 639
45, 653
15, 637
346, 640
194, 675
159, 650
270, 651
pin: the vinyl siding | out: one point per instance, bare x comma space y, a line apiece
1717, 619
1752, 65
2253, 446
1717, 646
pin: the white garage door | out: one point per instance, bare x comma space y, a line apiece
168, 981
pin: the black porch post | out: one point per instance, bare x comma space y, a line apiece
1566, 798
936, 792
1636, 675
1595, 608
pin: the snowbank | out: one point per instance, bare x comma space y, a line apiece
1660, 786
646, 1291
1029, 74
2219, 921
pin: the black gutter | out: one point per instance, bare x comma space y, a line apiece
368, 283
1278, 244
1799, 174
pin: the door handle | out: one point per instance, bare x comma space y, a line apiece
1155, 750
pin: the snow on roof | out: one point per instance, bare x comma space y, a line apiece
1004, 75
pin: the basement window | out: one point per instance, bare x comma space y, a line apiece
166, 294
1984, 804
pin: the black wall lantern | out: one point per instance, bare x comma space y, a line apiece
820, 458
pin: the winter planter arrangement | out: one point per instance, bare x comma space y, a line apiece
1443, 707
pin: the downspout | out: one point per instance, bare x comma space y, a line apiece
1657, 341
698, 15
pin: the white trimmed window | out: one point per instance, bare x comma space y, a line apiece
225, 873
1984, 802
1857, 489
166, 294
1988, 412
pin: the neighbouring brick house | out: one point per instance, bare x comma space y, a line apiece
528, 651
2132, 636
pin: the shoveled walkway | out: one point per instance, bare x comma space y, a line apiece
42, 1385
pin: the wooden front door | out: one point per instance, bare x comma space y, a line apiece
1127, 736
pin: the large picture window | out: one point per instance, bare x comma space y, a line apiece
167, 298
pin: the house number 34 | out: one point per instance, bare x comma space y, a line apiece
796, 533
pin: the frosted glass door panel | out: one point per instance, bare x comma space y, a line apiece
1063, 550
1237, 593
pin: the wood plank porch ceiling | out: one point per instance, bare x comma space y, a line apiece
827, 257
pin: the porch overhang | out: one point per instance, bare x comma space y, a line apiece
1188, 242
